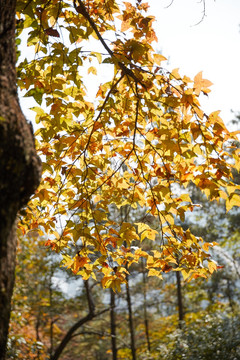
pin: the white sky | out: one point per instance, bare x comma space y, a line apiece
213, 46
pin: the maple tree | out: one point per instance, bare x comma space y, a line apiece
139, 143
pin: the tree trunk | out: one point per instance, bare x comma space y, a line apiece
145, 306
51, 313
113, 326
124, 212
180, 301
130, 320
20, 168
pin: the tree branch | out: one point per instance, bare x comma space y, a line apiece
83, 11
91, 305
70, 334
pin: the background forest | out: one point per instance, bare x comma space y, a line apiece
149, 319
138, 197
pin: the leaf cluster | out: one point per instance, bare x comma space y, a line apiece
139, 141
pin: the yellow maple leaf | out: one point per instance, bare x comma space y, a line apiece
233, 200
201, 84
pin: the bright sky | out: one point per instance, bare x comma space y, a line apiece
213, 46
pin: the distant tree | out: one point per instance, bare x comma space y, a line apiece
113, 325
210, 337
44, 319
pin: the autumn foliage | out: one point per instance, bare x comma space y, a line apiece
136, 141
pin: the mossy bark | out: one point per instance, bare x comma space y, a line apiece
20, 168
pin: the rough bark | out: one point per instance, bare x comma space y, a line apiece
20, 168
